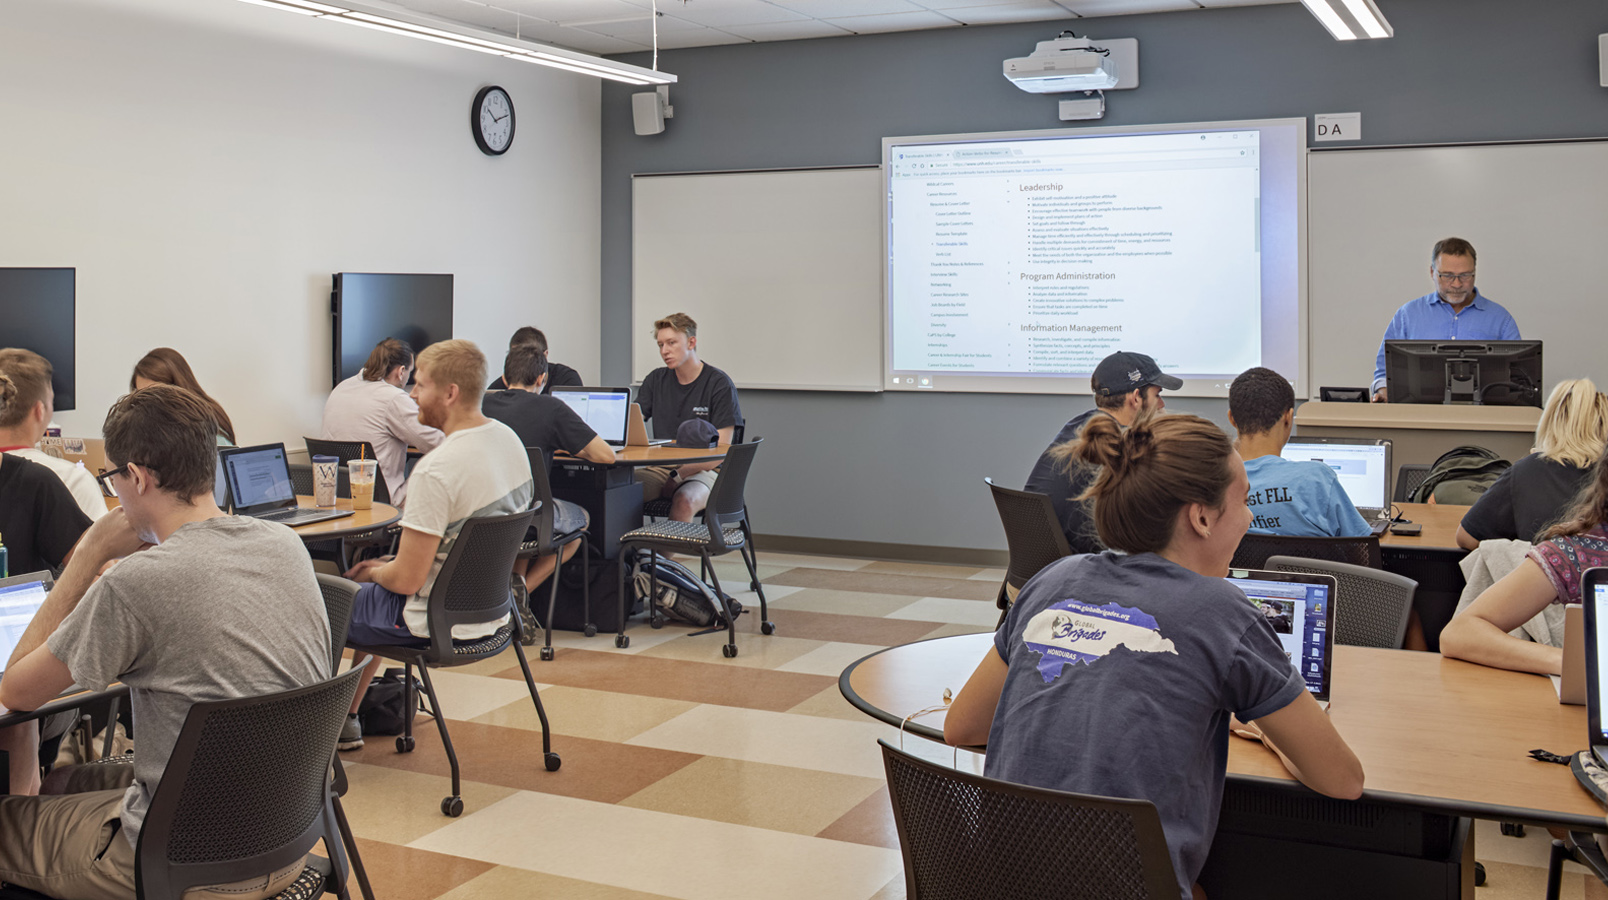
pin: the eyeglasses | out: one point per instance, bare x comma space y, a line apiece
104, 479
1454, 277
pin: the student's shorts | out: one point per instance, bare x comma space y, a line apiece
377, 620
654, 478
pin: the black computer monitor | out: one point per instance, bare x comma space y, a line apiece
1495, 373
369, 307
37, 312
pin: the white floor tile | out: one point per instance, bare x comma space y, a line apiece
830, 659
808, 742
956, 612
465, 696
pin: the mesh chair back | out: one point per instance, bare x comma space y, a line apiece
346, 451
1255, 550
473, 583
338, 596
246, 789
966, 836
726, 497
301, 480
1033, 534
1370, 606
1408, 477
542, 498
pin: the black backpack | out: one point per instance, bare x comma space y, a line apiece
1460, 476
683, 596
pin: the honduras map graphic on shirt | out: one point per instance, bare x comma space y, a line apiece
1075, 632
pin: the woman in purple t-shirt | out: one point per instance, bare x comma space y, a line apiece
1549, 574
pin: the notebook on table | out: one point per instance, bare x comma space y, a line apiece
1300, 607
1363, 466
20, 597
260, 486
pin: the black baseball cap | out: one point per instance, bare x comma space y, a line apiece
697, 434
1122, 372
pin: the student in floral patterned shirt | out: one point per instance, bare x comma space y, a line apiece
1549, 574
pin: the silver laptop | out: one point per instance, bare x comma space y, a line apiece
20, 597
260, 486
1571, 683
1594, 599
1300, 607
1364, 468
605, 410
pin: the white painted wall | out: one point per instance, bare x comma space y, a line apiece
207, 164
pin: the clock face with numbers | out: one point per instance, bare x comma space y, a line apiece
491, 118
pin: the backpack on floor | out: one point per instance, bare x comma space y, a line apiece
683, 597
1461, 476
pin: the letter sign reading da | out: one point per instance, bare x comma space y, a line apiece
1337, 127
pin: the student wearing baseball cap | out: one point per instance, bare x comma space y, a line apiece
1124, 385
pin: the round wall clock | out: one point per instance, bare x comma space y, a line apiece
491, 118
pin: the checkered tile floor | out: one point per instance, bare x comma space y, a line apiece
688, 775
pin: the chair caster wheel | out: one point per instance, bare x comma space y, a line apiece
656, 622
452, 807
622, 641
1479, 874
728, 650
547, 654
404, 744
1513, 829
767, 628
551, 761
590, 630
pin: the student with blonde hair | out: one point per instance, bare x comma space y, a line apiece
1531, 495
1117, 673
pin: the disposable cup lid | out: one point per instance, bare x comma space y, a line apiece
326, 459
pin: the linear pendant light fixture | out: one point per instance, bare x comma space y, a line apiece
1348, 20
394, 20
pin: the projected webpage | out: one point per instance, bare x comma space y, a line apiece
1039, 257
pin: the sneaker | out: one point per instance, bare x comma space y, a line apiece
529, 628
351, 734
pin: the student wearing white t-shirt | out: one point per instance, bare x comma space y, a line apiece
479, 469
23, 423
373, 406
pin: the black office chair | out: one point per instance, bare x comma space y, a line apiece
1370, 605
964, 835
246, 791
472, 586
715, 536
338, 596
548, 542
1033, 535
659, 508
1256, 549
346, 451
1408, 477
1575, 847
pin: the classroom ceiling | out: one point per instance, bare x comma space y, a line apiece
625, 26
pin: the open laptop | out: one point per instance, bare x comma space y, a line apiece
260, 486
1594, 600
636, 431
88, 452
1363, 465
20, 597
1301, 610
603, 409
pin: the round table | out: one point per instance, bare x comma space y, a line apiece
360, 521
893, 683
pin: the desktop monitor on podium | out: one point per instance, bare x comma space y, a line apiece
1493, 373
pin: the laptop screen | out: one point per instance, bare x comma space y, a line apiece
1300, 609
258, 475
1364, 469
19, 600
602, 409
1596, 641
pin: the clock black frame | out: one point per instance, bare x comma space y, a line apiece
474, 120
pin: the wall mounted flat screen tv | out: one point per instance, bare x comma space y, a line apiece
37, 312
369, 307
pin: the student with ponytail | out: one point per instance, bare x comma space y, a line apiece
1117, 673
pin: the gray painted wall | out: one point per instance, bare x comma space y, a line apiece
908, 468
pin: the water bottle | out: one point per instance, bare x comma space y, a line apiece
5, 571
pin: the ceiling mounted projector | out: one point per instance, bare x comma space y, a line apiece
1071, 63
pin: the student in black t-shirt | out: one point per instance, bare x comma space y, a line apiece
39, 519
558, 374
544, 421
686, 388
1541, 487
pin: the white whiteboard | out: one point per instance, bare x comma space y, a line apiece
1536, 213
781, 270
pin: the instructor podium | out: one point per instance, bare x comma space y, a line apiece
1421, 432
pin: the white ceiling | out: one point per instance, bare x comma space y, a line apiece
623, 26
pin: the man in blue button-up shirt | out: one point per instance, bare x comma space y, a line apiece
1454, 311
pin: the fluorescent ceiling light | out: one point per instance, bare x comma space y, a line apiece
1370, 18
1348, 20
524, 51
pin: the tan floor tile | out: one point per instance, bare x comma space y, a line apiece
806, 742
893, 890
928, 570
403, 873
944, 609
874, 583
951, 629
1506, 881
848, 629
599, 715
781, 798
839, 563
993, 576
830, 658
844, 603
869, 822
733, 572
758, 652
505, 882
714, 681
829, 704
465, 696
395, 806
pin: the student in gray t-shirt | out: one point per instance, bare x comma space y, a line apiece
220, 607
1117, 674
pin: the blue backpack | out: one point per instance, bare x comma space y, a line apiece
683, 597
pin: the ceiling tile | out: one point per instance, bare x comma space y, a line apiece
915, 21
574, 12
787, 31
980, 4
1033, 11
832, 9
640, 28
706, 37
720, 13
1126, 7
1217, 3
467, 13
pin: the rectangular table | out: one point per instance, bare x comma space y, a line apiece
1430, 559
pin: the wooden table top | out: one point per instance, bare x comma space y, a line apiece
1431, 732
633, 457
1440, 527
362, 520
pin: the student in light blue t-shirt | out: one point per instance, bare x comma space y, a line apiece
1296, 499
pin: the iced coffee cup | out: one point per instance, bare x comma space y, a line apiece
362, 473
